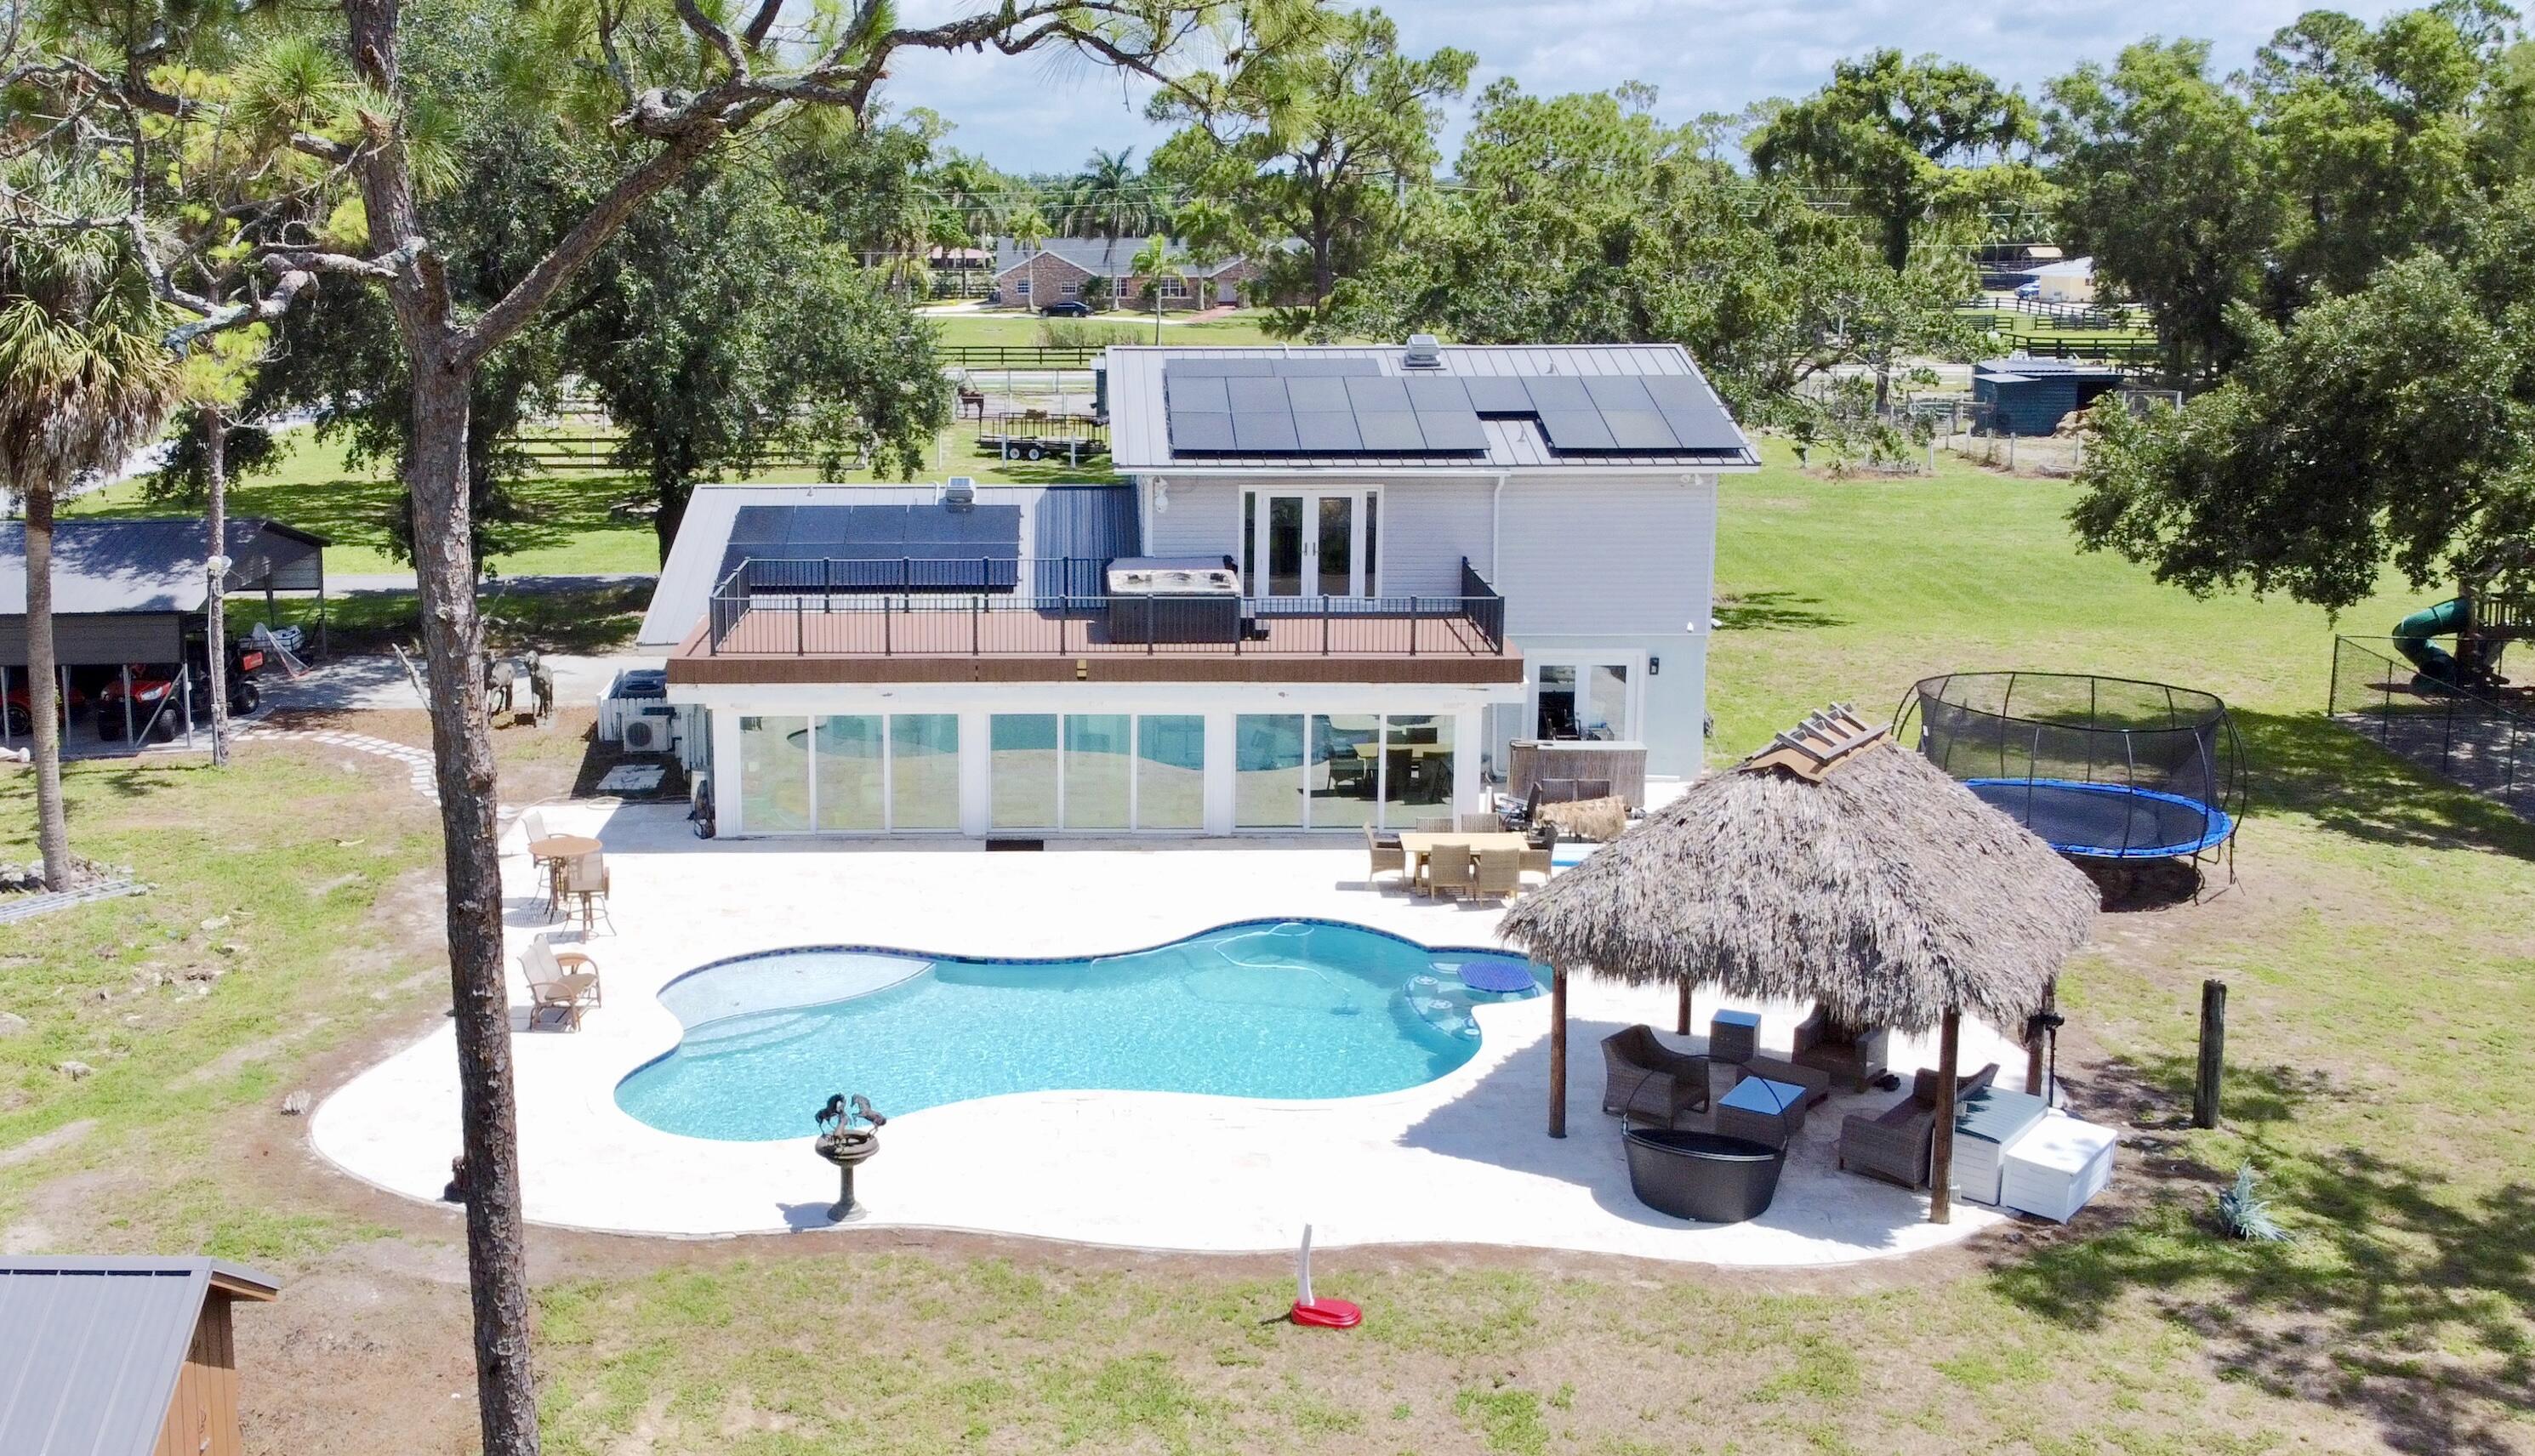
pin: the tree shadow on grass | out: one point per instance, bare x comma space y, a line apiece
2305, 764
2395, 1297
1754, 610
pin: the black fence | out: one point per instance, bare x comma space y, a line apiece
1061, 606
2483, 742
1020, 355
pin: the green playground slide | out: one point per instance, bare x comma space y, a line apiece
2412, 638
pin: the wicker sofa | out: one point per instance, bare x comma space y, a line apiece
1644, 1079
1894, 1144
1848, 1055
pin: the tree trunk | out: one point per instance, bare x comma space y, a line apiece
215, 642
44, 689
463, 767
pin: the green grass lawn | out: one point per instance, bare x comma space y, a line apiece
2378, 946
1011, 327
2020, 325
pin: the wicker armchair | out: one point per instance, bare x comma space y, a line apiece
1848, 1055
1383, 853
1500, 873
1894, 1144
1644, 1078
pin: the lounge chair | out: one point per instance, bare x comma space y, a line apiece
1448, 868
1383, 853
1481, 823
1500, 873
1894, 1144
1641, 1078
564, 982
1847, 1054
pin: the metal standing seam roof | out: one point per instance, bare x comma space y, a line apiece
154, 564
1139, 418
90, 1348
1056, 520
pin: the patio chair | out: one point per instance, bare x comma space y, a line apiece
1435, 824
1481, 823
1500, 873
1383, 853
1894, 1144
1641, 1078
1847, 1054
1448, 868
585, 881
564, 982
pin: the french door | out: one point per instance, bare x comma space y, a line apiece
1312, 543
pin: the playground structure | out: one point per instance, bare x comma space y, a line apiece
2482, 626
2100, 768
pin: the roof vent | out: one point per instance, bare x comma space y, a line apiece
1424, 352
960, 493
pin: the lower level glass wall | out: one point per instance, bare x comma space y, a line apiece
849, 773
1114, 772
1341, 770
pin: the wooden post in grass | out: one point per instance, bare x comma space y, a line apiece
2213, 1054
1940, 1152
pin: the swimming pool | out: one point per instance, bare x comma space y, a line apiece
1264, 1008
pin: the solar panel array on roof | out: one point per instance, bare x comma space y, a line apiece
1271, 406
879, 548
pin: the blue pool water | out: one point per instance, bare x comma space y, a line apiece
1267, 1008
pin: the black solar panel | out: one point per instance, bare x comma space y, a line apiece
1191, 429
1204, 392
1258, 396
1639, 429
1448, 431
1378, 393
1263, 433
1215, 369
1576, 429
1318, 395
1389, 432
1492, 394
1557, 392
1611, 391
1328, 432
1429, 395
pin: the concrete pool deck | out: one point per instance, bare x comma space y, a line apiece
1461, 1159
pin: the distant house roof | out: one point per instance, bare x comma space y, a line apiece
91, 1347
1102, 258
153, 565
1507, 432
727, 523
2039, 368
2075, 268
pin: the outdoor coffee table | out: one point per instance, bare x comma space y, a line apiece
1733, 1036
1761, 1109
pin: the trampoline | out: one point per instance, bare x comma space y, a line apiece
2100, 768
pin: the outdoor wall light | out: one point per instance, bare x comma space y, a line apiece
1654, 667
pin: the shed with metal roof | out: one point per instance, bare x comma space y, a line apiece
2032, 396
123, 590
103, 1355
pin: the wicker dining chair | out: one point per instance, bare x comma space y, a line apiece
1435, 824
1448, 868
1383, 853
1481, 823
1500, 873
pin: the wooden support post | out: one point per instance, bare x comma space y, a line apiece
2037, 1035
1940, 1151
1681, 1021
1558, 1051
2213, 1054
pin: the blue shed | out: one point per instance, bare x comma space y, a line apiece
2032, 396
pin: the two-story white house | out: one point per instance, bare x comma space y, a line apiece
1338, 588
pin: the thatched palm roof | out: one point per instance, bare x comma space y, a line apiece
1885, 889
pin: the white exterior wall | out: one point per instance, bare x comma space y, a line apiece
1191, 517
975, 703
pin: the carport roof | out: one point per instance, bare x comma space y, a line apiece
153, 565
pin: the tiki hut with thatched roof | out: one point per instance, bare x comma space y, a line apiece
1834, 867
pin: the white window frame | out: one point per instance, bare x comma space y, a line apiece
1135, 779
1070, 290
888, 778
1254, 536
1021, 287
1583, 659
1171, 289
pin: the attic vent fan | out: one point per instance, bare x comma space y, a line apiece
1424, 352
960, 493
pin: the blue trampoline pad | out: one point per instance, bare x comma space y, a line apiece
2109, 821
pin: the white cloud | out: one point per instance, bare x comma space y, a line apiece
1033, 113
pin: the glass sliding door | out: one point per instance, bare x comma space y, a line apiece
924, 771
774, 776
1334, 553
1417, 769
1317, 543
1581, 700
1285, 547
1268, 778
846, 774
1170, 771
1346, 769
1022, 770
1098, 765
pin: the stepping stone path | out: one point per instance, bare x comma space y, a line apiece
415, 761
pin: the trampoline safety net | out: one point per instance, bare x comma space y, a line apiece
2100, 768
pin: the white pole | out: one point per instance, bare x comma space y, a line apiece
1303, 1269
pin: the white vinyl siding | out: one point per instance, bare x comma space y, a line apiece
1427, 528
1579, 557
1203, 519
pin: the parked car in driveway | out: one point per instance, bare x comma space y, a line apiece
1072, 308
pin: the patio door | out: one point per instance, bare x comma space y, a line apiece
1313, 543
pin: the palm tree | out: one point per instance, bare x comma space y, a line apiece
84, 381
1110, 200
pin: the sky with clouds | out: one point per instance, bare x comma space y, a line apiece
1038, 114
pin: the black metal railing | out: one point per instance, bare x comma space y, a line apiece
2485, 743
984, 606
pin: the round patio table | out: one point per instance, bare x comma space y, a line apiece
552, 853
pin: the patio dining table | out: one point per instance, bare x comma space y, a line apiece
1418, 847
